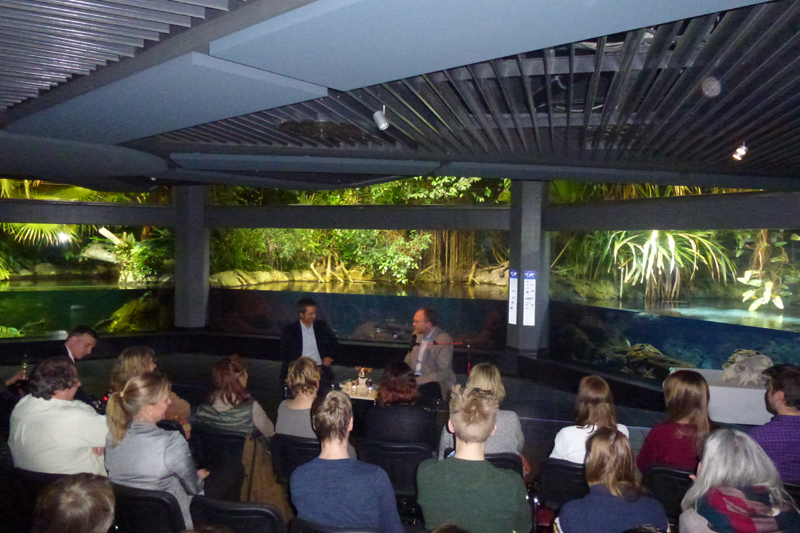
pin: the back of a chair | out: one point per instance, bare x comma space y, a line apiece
289, 452
299, 525
28, 486
560, 481
400, 460
507, 461
240, 517
171, 425
146, 511
218, 449
668, 486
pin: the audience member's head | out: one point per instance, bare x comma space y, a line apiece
333, 417
486, 376
594, 405
783, 387
141, 397
398, 385
303, 378
81, 341
81, 503
133, 361
732, 459
473, 414
52, 376
686, 396
609, 462
229, 382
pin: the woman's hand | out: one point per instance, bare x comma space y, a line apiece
203, 473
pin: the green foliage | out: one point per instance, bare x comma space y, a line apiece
6, 333
772, 273
142, 260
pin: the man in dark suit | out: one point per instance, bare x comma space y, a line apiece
80, 343
309, 337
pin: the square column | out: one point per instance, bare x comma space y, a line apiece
191, 256
530, 258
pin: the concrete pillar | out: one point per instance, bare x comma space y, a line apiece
191, 256
530, 257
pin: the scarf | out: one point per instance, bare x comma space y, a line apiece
730, 510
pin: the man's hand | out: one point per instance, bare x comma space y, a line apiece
203, 473
327, 361
16, 377
99, 452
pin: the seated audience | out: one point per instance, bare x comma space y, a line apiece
508, 438
8, 395
81, 503
141, 455
337, 491
737, 490
137, 360
594, 409
230, 408
294, 416
51, 431
80, 342
615, 502
397, 417
678, 441
780, 437
466, 490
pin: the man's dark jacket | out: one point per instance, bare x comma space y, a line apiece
292, 343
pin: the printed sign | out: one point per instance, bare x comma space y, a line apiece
529, 299
512, 297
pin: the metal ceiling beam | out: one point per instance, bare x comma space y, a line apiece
42, 212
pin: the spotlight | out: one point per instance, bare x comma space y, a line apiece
63, 237
740, 152
380, 119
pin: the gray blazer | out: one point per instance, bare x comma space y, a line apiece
151, 458
437, 362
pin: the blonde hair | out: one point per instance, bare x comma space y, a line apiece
133, 361
125, 405
733, 459
686, 395
303, 377
486, 376
609, 462
594, 405
80, 503
332, 416
473, 413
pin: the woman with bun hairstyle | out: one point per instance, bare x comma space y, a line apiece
141, 455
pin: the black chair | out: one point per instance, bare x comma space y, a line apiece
558, 482
507, 461
794, 492
240, 517
668, 486
28, 485
220, 453
289, 452
303, 526
146, 511
172, 425
399, 459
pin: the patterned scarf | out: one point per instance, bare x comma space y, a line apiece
731, 510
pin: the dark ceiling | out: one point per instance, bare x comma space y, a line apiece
678, 96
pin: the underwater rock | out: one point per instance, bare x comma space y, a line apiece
142, 314
45, 269
746, 366
594, 328
24, 272
642, 357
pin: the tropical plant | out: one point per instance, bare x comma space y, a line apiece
771, 272
141, 260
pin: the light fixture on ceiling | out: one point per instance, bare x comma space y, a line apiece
739, 153
380, 119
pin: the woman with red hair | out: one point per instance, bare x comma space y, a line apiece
397, 417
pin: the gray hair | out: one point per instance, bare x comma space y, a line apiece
733, 459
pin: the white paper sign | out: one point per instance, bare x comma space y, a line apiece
512, 297
529, 299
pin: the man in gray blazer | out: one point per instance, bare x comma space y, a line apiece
431, 356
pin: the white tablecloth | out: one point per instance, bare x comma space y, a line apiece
731, 403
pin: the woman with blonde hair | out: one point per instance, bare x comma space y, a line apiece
508, 438
678, 441
141, 455
137, 360
615, 502
737, 490
594, 409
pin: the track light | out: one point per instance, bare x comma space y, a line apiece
380, 119
739, 153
